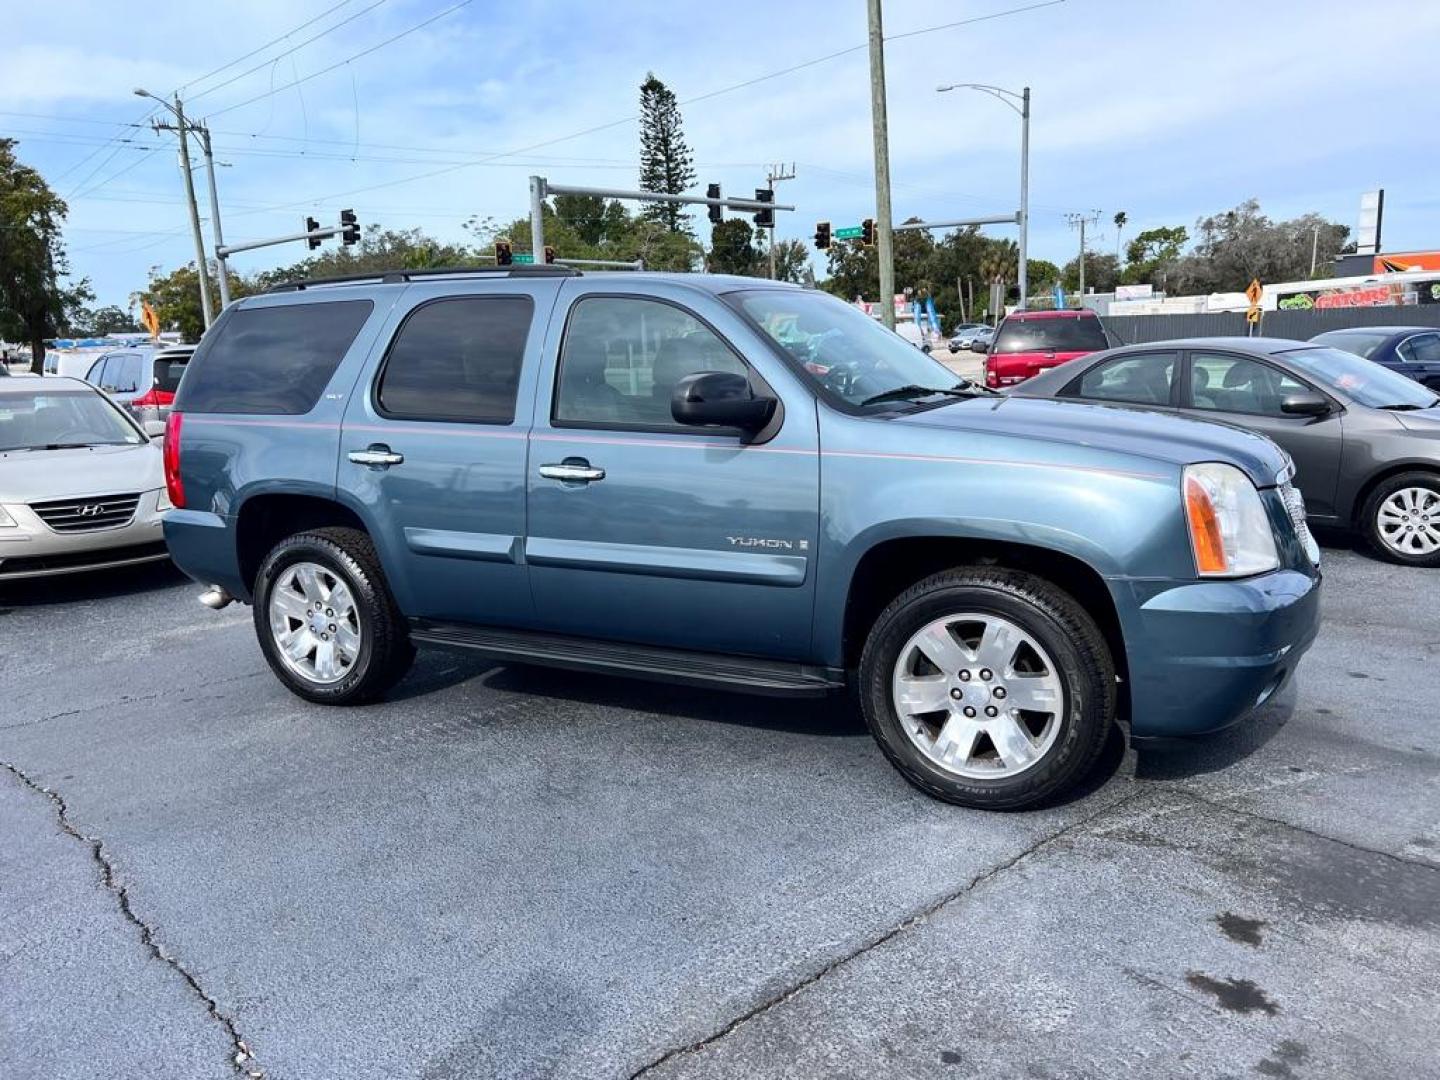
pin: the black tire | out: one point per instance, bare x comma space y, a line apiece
386, 652
1369, 516
1055, 621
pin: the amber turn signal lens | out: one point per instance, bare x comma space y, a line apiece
1204, 529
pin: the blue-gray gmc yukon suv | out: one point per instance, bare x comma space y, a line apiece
733, 484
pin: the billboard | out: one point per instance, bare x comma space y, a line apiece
1398, 262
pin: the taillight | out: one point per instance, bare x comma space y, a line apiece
992, 377
154, 398
170, 451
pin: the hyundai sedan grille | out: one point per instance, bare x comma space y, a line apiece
89, 514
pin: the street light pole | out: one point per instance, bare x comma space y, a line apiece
883, 237
1024, 272
1009, 97
220, 268
178, 110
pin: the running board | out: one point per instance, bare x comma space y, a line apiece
774, 678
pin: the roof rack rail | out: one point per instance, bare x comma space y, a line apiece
396, 277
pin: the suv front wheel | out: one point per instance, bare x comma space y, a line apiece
326, 621
988, 688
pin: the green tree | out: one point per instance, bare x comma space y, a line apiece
733, 251
175, 296
34, 304
97, 322
1102, 272
665, 159
1150, 256
1236, 246
407, 249
1121, 219
792, 259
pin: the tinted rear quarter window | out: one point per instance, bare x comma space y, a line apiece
1051, 335
458, 359
271, 359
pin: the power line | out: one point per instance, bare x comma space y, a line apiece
631, 119
280, 56
262, 48
324, 71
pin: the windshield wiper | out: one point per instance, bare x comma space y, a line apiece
66, 446
904, 393
1408, 407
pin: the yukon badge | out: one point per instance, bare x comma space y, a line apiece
762, 542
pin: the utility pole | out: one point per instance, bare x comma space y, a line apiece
182, 127
1314, 250
883, 219
773, 177
1080, 221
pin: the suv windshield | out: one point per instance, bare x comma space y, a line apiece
59, 419
1361, 380
1059, 334
841, 348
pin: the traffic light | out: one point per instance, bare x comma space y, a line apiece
311, 225
717, 213
867, 232
822, 236
503, 257
350, 228
765, 219
549, 254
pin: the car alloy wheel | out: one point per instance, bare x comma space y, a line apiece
1408, 521
314, 623
978, 696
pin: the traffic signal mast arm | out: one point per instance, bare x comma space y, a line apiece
316, 234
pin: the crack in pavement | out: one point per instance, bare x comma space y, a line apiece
242, 1060
133, 699
908, 923
1241, 811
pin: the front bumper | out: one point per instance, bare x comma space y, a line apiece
1204, 654
31, 549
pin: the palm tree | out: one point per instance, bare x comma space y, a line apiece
1120, 222
999, 265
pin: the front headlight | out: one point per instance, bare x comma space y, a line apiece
1230, 531
6, 521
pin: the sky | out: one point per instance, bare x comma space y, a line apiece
426, 113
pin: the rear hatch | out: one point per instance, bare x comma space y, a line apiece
1026, 345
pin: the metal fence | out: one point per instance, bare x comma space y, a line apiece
1299, 325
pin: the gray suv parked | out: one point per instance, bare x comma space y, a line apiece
733, 484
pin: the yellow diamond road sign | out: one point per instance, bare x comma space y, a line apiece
1253, 315
1253, 292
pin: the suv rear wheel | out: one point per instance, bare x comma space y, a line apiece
988, 688
1401, 519
326, 621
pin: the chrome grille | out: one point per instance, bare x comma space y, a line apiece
1295, 504
87, 515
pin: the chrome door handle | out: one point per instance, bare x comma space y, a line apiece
583, 474
382, 456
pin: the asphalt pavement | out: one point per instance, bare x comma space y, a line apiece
513, 872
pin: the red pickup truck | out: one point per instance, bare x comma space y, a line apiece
1029, 342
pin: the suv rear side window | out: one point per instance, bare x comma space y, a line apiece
623, 357
274, 360
1051, 335
458, 359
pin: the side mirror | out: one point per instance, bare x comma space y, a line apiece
720, 398
154, 428
1305, 403
979, 346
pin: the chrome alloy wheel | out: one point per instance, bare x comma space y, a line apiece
1409, 521
978, 696
314, 623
